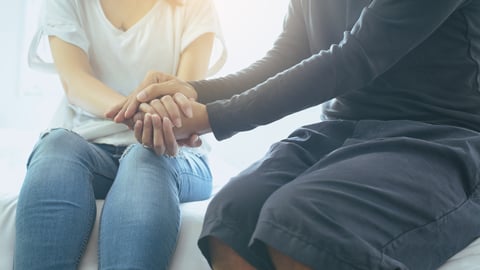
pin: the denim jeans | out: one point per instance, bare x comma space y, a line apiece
140, 220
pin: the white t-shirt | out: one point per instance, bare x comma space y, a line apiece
121, 59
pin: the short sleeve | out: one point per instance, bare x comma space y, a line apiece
59, 18
201, 17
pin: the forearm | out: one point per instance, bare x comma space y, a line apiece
90, 94
195, 58
81, 86
233, 84
347, 66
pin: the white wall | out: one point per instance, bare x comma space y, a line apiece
250, 27
11, 25
20, 111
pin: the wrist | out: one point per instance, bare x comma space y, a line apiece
203, 123
191, 92
197, 124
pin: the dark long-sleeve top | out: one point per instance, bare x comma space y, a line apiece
380, 59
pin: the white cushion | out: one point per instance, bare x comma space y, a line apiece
467, 259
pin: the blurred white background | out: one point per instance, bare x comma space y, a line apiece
29, 98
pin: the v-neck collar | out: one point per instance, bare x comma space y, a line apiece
132, 28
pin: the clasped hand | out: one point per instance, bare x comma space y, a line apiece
154, 118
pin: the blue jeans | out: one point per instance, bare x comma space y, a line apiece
140, 219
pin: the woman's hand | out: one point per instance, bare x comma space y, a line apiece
156, 133
161, 135
158, 118
156, 85
118, 112
173, 107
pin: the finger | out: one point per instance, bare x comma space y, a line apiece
184, 103
129, 123
146, 108
193, 141
173, 111
112, 112
147, 132
138, 130
168, 87
138, 117
120, 117
170, 141
158, 108
131, 108
152, 92
158, 140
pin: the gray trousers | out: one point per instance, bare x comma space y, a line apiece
368, 195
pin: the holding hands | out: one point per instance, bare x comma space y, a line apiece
157, 111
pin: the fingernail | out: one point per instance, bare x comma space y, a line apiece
141, 96
167, 121
178, 123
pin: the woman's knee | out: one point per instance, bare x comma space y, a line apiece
58, 143
148, 168
138, 154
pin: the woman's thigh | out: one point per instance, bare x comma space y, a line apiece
56, 206
64, 160
141, 214
143, 175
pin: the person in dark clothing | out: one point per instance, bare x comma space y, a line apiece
387, 180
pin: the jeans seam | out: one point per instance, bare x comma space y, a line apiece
93, 213
126, 151
100, 236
